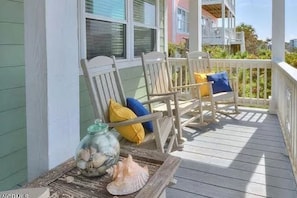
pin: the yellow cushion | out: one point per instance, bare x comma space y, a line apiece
117, 112
201, 78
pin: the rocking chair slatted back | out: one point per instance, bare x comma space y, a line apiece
199, 62
105, 83
158, 80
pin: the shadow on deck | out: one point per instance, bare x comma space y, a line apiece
242, 156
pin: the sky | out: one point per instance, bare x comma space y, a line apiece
258, 14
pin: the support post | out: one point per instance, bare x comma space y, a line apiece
52, 83
278, 47
195, 40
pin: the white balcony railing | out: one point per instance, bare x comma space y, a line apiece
215, 36
255, 80
285, 80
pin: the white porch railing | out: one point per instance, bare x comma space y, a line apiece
285, 80
253, 77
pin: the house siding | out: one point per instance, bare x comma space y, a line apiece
13, 153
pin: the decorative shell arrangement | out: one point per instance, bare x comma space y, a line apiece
93, 159
128, 177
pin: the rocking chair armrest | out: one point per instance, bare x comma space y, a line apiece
141, 119
166, 97
166, 94
194, 85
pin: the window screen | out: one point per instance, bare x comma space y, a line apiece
144, 40
145, 29
105, 38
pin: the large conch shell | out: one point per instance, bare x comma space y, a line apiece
128, 177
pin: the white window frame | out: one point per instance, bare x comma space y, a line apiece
129, 22
185, 21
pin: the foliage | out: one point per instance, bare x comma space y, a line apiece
177, 50
220, 52
215, 51
253, 79
291, 58
250, 36
256, 49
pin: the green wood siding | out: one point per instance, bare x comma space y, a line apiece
133, 82
86, 113
13, 155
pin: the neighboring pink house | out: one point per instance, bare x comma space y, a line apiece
218, 27
177, 20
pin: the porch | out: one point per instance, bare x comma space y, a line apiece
242, 156
252, 154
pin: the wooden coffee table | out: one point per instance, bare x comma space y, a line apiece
162, 168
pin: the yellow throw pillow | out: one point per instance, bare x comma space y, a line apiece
117, 112
201, 78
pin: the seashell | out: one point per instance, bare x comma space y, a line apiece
69, 179
128, 177
98, 159
85, 154
102, 170
93, 150
81, 164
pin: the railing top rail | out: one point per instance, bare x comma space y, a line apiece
263, 61
290, 71
241, 60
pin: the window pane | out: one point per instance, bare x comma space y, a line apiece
145, 11
182, 21
114, 9
105, 38
144, 40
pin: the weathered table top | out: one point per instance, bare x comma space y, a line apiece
161, 166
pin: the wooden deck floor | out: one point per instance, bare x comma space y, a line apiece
243, 156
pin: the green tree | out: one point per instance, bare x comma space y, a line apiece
250, 36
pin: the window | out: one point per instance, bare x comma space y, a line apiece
182, 21
112, 28
106, 28
144, 26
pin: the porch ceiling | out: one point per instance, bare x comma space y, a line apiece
215, 10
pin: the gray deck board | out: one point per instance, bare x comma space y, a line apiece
240, 156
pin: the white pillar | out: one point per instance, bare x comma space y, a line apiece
195, 40
52, 83
278, 30
223, 24
278, 46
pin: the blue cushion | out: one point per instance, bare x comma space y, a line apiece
221, 82
140, 110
